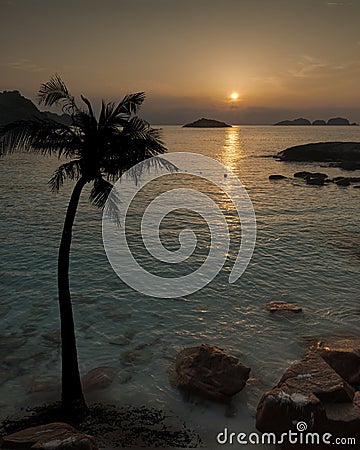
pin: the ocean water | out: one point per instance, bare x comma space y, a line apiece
307, 252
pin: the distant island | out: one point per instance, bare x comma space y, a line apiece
13, 107
206, 123
301, 121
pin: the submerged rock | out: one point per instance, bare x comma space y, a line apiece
98, 378
52, 436
282, 306
208, 371
35, 386
277, 177
11, 342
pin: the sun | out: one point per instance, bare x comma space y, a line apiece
234, 96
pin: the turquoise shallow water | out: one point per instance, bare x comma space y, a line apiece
307, 252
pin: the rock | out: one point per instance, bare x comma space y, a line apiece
356, 399
52, 436
206, 123
318, 181
35, 386
208, 371
342, 419
343, 355
282, 306
316, 175
312, 375
98, 378
349, 165
338, 121
319, 122
317, 391
340, 152
343, 182
302, 394
280, 408
357, 187
302, 174
276, 177
316, 178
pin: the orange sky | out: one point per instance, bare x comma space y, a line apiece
285, 58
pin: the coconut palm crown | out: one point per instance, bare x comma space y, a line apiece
99, 150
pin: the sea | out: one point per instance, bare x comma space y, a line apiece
307, 252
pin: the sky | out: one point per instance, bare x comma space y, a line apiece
284, 58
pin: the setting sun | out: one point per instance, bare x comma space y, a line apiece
234, 96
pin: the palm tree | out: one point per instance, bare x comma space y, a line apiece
101, 150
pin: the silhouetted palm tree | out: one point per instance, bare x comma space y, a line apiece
101, 150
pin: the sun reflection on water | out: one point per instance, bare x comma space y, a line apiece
231, 152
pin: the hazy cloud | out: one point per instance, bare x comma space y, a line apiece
339, 3
25, 65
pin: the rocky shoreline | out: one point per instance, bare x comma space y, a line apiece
321, 390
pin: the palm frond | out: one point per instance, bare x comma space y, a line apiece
103, 112
55, 92
138, 129
43, 136
100, 191
155, 162
103, 195
130, 104
71, 170
137, 142
88, 104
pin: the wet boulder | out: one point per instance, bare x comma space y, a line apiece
343, 355
277, 177
208, 371
280, 408
313, 391
312, 375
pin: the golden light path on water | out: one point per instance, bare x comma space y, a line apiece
231, 150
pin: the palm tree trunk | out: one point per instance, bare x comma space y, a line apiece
72, 396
